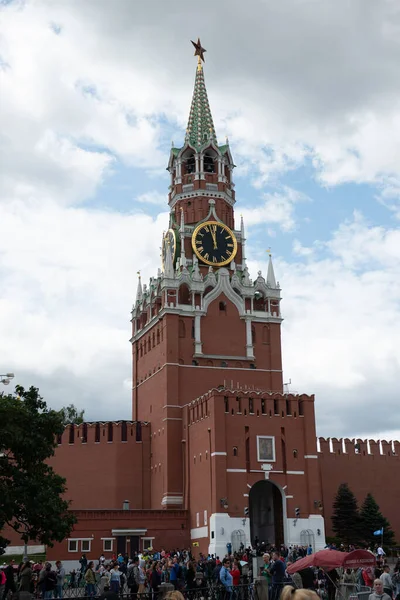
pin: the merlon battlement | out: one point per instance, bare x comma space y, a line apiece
357, 446
103, 432
250, 402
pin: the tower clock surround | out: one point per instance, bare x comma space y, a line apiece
214, 243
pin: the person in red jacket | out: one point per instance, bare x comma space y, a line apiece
235, 572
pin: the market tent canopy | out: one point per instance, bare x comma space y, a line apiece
332, 559
329, 559
359, 558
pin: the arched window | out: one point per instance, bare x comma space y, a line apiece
184, 295
209, 166
190, 164
158, 336
71, 433
84, 433
235, 450
110, 432
222, 307
253, 334
182, 329
97, 433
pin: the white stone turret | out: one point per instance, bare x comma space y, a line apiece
139, 292
242, 233
182, 237
168, 266
271, 281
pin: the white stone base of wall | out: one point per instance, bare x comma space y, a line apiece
32, 549
222, 526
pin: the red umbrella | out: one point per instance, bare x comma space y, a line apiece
359, 558
330, 559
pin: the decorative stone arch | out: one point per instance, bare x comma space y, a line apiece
307, 537
238, 537
224, 287
264, 495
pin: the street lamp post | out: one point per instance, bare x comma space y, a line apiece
6, 378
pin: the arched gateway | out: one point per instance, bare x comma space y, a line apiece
266, 513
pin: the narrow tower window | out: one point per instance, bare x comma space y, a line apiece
97, 433
209, 164
190, 165
124, 432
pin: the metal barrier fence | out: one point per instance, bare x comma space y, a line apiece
210, 592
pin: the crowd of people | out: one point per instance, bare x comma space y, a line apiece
144, 575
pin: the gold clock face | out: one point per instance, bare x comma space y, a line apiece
214, 243
169, 238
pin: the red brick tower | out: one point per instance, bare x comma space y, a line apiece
204, 329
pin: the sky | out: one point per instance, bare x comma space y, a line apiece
91, 95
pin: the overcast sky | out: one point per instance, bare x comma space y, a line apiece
92, 93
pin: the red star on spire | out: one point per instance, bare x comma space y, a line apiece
199, 50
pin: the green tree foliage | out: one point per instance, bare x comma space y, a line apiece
31, 492
71, 415
345, 518
372, 520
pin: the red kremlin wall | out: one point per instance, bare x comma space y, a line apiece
366, 466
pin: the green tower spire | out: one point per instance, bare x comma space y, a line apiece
200, 129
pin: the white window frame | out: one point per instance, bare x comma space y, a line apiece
111, 540
147, 539
205, 518
266, 437
89, 542
76, 542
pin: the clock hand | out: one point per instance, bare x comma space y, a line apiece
214, 239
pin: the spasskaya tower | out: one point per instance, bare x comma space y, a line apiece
206, 343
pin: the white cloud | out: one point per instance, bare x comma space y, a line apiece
278, 208
152, 197
309, 82
342, 326
68, 283
85, 86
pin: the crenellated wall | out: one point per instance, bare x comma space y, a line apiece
367, 466
105, 463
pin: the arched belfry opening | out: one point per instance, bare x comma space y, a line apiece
266, 513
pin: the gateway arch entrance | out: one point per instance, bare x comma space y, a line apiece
266, 513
